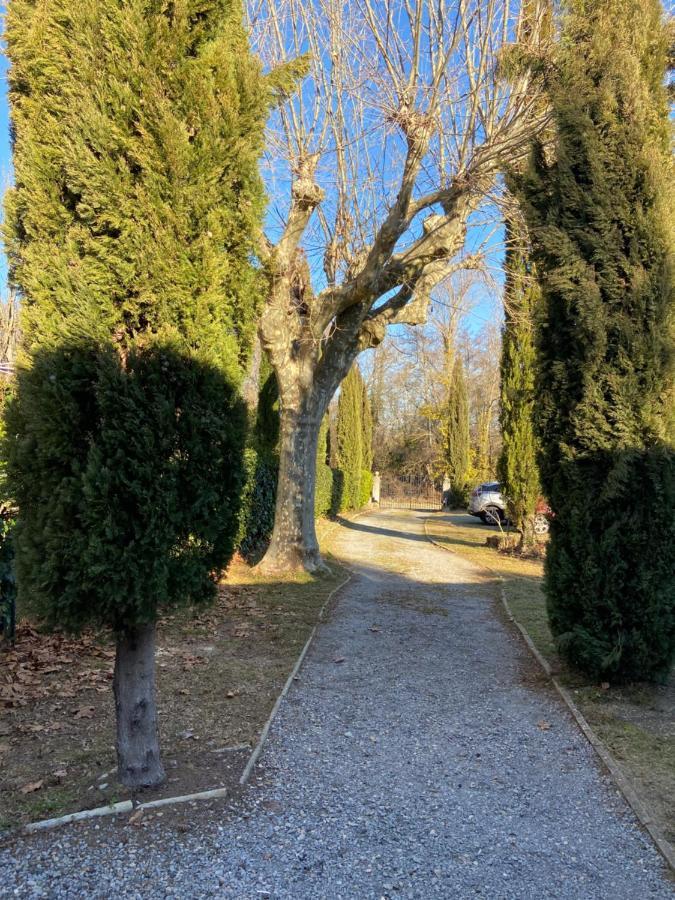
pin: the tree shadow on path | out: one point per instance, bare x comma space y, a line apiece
385, 532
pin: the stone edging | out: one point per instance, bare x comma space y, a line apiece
257, 750
127, 806
253, 759
622, 782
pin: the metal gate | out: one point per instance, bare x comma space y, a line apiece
410, 492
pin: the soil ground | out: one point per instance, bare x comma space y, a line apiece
636, 722
219, 672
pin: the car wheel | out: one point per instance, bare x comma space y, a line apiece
541, 524
493, 515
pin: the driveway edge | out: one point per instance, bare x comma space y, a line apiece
257, 750
622, 782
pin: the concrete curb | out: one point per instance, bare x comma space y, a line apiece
127, 806
253, 759
622, 782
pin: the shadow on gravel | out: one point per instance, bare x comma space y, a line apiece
385, 532
432, 591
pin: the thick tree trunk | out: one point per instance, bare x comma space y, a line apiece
138, 759
294, 544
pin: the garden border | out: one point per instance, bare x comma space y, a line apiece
127, 806
641, 811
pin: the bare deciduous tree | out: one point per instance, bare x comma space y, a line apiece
375, 168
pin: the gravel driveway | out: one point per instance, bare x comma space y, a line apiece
418, 755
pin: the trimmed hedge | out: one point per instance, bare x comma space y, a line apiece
7, 580
7, 520
256, 517
366, 486
323, 504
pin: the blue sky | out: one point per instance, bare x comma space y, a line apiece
484, 308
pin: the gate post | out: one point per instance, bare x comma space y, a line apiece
375, 493
445, 499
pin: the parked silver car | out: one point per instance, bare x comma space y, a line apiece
488, 504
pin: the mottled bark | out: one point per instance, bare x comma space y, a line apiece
294, 543
138, 759
527, 538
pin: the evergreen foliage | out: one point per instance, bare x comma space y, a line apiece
517, 467
137, 130
367, 431
256, 518
350, 438
7, 522
127, 481
266, 435
366, 487
456, 437
354, 441
324, 474
599, 210
367, 428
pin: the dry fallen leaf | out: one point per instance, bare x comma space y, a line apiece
339, 659
60, 774
85, 712
544, 725
30, 788
136, 817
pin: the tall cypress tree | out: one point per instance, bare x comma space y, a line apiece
350, 438
517, 466
324, 474
598, 205
137, 129
456, 437
366, 425
367, 443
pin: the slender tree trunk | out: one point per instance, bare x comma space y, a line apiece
138, 760
294, 544
527, 535
250, 389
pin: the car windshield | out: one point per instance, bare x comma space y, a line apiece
491, 486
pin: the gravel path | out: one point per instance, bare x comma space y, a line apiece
428, 763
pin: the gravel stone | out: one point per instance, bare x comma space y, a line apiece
416, 768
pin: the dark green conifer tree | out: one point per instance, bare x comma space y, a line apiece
324, 474
137, 129
456, 437
350, 438
367, 443
517, 467
599, 209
